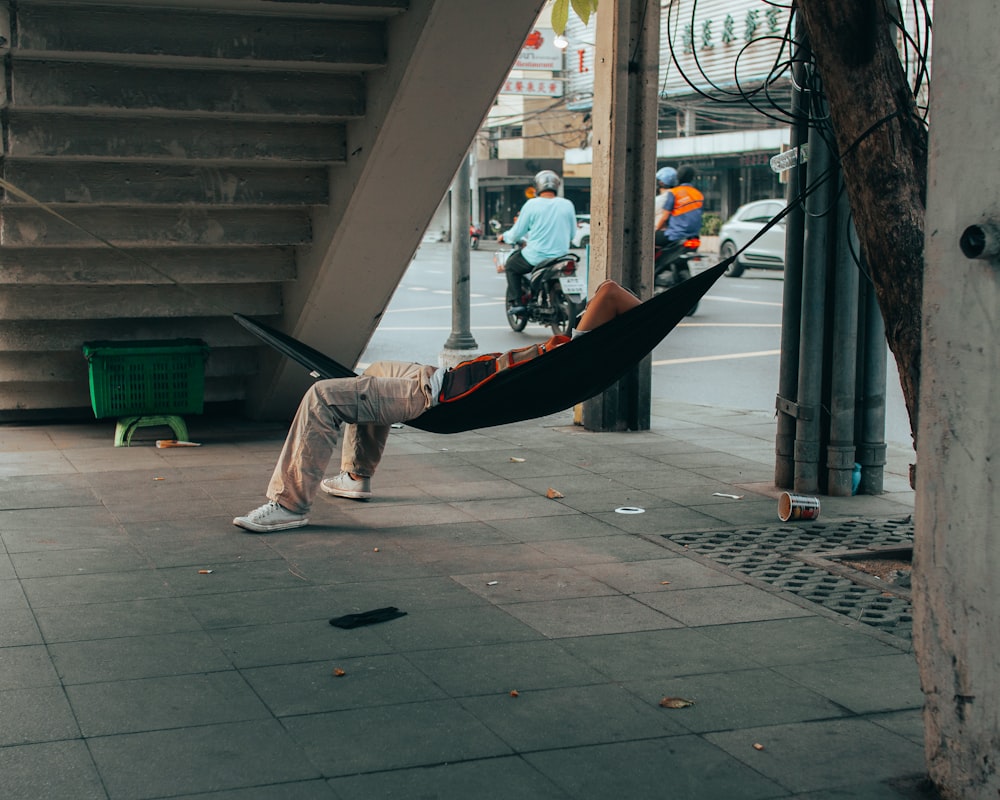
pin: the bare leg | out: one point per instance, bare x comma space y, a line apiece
608, 302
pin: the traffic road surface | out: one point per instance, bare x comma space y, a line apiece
726, 355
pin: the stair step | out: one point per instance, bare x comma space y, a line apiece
48, 398
322, 9
58, 266
209, 37
50, 84
63, 135
153, 226
111, 302
35, 335
139, 184
49, 366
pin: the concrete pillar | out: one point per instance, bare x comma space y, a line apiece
621, 234
957, 547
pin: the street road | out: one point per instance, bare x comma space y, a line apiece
725, 355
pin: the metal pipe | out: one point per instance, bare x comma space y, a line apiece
843, 357
814, 274
871, 451
461, 293
791, 307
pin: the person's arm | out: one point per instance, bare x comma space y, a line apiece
664, 216
520, 227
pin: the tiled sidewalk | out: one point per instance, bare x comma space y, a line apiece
128, 672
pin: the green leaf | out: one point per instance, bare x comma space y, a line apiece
584, 8
560, 16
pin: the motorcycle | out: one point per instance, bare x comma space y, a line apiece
672, 265
553, 294
475, 234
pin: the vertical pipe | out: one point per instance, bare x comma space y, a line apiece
461, 294
843, 358
872, 450
791, 307
810, 388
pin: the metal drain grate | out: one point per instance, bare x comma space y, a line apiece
770, 555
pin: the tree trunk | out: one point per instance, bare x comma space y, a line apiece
883, 145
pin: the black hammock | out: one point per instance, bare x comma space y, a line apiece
554, 381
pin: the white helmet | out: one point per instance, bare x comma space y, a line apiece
547, 181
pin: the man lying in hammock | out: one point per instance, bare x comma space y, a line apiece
388, 392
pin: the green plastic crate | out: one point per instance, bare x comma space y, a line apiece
146, 377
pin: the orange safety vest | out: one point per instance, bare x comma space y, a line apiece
686, 198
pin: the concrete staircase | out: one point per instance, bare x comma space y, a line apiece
167, 163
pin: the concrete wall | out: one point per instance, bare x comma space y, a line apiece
957, 552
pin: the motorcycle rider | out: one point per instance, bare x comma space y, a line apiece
666, 179
680, 215
547, 222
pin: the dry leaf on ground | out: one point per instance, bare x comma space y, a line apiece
553, 494
676, 702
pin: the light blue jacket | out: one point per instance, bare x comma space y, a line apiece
548, 225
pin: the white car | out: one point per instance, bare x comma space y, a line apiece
768, 252
582, 236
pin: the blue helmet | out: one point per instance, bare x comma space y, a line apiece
666, 176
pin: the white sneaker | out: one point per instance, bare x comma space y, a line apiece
345, 486
271, 517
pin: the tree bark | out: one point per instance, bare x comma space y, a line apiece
883, 147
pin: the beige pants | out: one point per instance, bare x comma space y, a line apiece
388, 392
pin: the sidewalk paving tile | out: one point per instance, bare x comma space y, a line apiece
574, 716
677, 766
863, 685
720, 605
500, 668
485, 779
737, 699
808, 756
113, 620
591, 616
393, 737
36, 714
132, 657
198, 759
313, 687
176, 701
51, 769
796, 641
128, 671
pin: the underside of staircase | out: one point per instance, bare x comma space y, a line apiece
166, 164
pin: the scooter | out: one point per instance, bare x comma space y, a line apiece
475, 234
553, 294
672, 265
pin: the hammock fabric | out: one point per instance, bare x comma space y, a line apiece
556, 380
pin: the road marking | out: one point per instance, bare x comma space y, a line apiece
502, 327
724, 299
726, 357
441, 308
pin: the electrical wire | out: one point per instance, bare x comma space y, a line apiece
770, 96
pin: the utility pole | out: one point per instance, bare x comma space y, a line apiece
460, 343
625, 116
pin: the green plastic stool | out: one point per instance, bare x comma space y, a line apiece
128, 425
